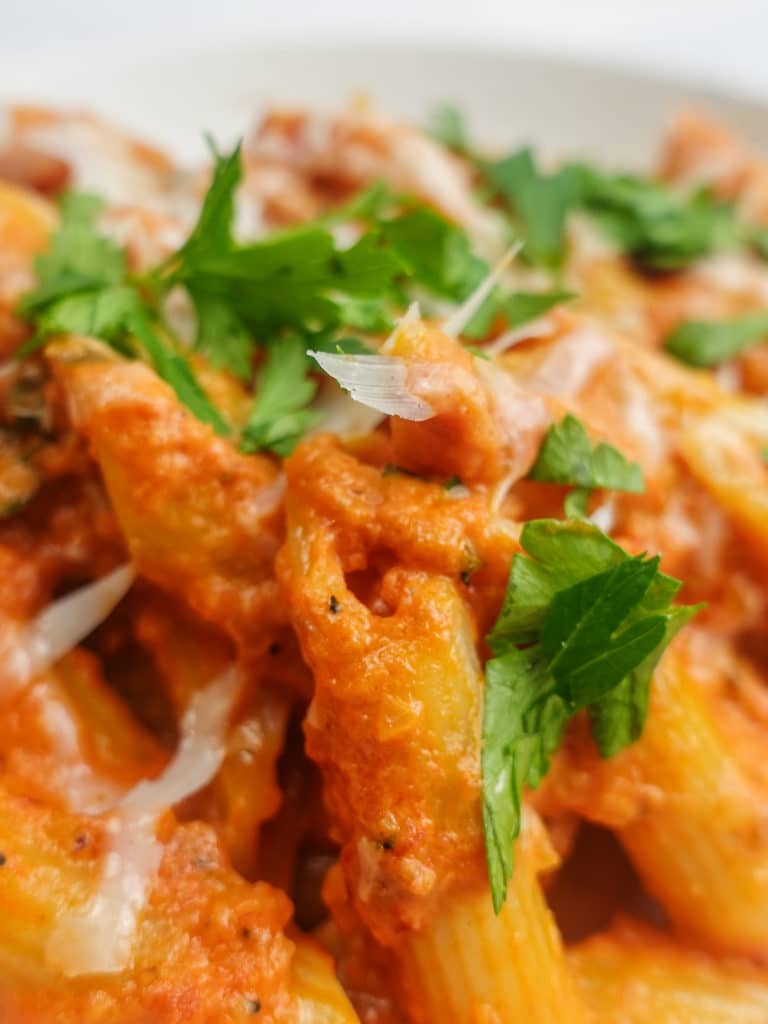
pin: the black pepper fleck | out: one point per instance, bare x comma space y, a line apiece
387, 844
245, 932
3, 859
274, 648
465, 576
334, 605
81, 841
253, 1005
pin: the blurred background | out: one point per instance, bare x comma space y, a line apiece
723, 43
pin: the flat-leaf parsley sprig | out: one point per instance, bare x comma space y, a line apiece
659, 227
582, 626
258, 304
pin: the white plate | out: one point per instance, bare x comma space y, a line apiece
563, 106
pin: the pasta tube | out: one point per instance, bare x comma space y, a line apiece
634, 975
471, 965
394, 726
200, 518
691, 818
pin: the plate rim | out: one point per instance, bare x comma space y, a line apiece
189, 47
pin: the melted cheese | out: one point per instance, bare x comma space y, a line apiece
30, 649
99, 938
69, 772
571, 362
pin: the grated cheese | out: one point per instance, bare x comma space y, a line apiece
30, 649
571, 362
379, 381
99, 938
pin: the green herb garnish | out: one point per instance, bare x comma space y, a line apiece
540, 201
582, 626
83, 288
295, 281
567, 456
294, 288
281, 412
446, 125
706, 343
659, 227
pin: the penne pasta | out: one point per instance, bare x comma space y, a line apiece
71, 740
635, 975
390, 735
661, 796
473, 965
319, 997
135, 427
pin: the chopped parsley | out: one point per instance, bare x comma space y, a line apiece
541, 202
294, 281
705, 343
582, 626
294, 290
297, 280
567, 456
281, 414
83, 288
446, 124
522, 307
658, 226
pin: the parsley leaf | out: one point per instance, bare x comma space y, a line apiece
585, 638
289, 279
757, 239
369, 205
706, 343
296, 278
567, 456
522, 307
280, 415
222, 336
583, 625
523, 722
617, 719
83, 289
213, 231
369, 315
576, 504
176, 371
660, 228
561, 554
542, 202
78, 258
436, 253
98, 313
446, 125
